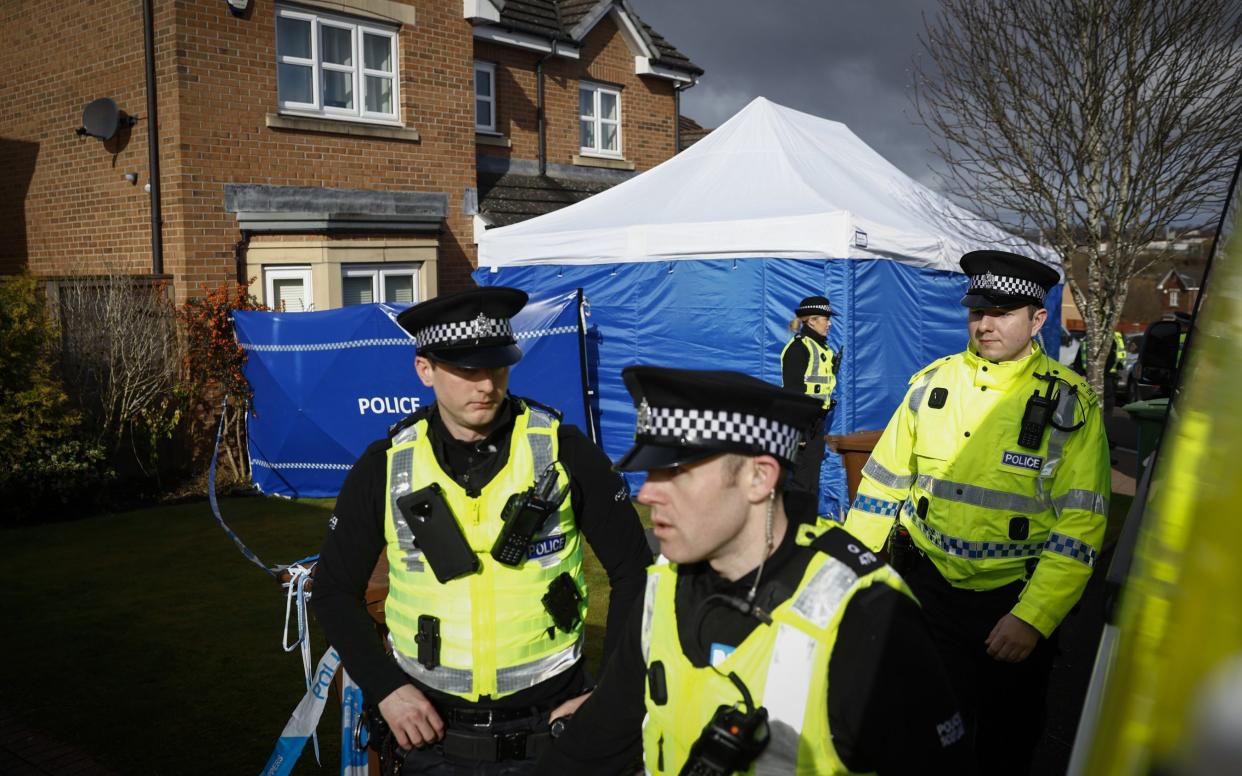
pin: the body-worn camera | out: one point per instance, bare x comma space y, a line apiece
437, 533
729, 743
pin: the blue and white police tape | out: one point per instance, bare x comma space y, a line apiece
299, 576
301, 726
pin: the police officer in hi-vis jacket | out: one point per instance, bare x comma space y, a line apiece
761, 645
809, 365
990, 487
481, 503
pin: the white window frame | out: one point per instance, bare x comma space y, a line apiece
378, 273
490, 69
359, 71
287, 272
599, 121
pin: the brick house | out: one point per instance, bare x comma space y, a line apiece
335, 151
1178, 292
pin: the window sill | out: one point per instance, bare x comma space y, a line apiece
341, 127
488, 139
600, 161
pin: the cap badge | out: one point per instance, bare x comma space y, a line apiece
480, 326
643, 426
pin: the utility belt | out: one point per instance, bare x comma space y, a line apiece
475, 734
486, 745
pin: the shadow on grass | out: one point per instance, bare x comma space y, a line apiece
148, 640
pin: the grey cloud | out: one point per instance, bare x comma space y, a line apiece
846, 61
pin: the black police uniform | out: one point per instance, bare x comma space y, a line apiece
601, 505
794, 362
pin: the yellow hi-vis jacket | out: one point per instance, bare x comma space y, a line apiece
784, 665
978, 504
1119, 351
819, 380
496, 636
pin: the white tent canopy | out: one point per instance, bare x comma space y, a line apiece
770, 182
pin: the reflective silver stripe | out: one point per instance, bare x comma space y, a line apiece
974, 495
540, 451
814, 377
454, 680
964, 548
407, 434
520, 677
823, 595
538, 418
1064, 416
792, 664
877, 472
916, 395
790, 673
649, 598
399, 477
508, 680
1088, 500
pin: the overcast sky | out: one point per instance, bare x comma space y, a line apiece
845, 60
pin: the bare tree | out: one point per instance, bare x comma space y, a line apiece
1104, 124
122, 355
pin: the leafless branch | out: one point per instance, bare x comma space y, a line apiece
1101, 122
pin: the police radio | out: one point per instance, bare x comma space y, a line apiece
1035, 419
1039, 412
523, 515
731, 740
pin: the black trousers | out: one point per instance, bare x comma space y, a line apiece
1002, 704
810, 458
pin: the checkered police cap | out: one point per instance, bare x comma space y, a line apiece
1002, 279
469, 328
461, 332
696, 427
814, 305
1003, 284
685, 415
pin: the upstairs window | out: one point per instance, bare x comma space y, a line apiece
484, 97
599, 120
335, 67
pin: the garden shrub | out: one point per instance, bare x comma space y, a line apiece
50, 461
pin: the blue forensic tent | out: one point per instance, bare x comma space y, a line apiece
327, 384
699, 263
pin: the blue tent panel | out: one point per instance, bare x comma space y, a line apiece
327, 384
891, 320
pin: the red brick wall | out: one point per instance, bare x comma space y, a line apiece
647, 106
228, 86
65, 207
217, 83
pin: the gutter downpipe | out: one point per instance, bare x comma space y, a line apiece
677, 90
153, 149
239, 257
543, 140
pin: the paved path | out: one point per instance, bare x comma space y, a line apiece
25, 751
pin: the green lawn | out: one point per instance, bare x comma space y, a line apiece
148, 640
